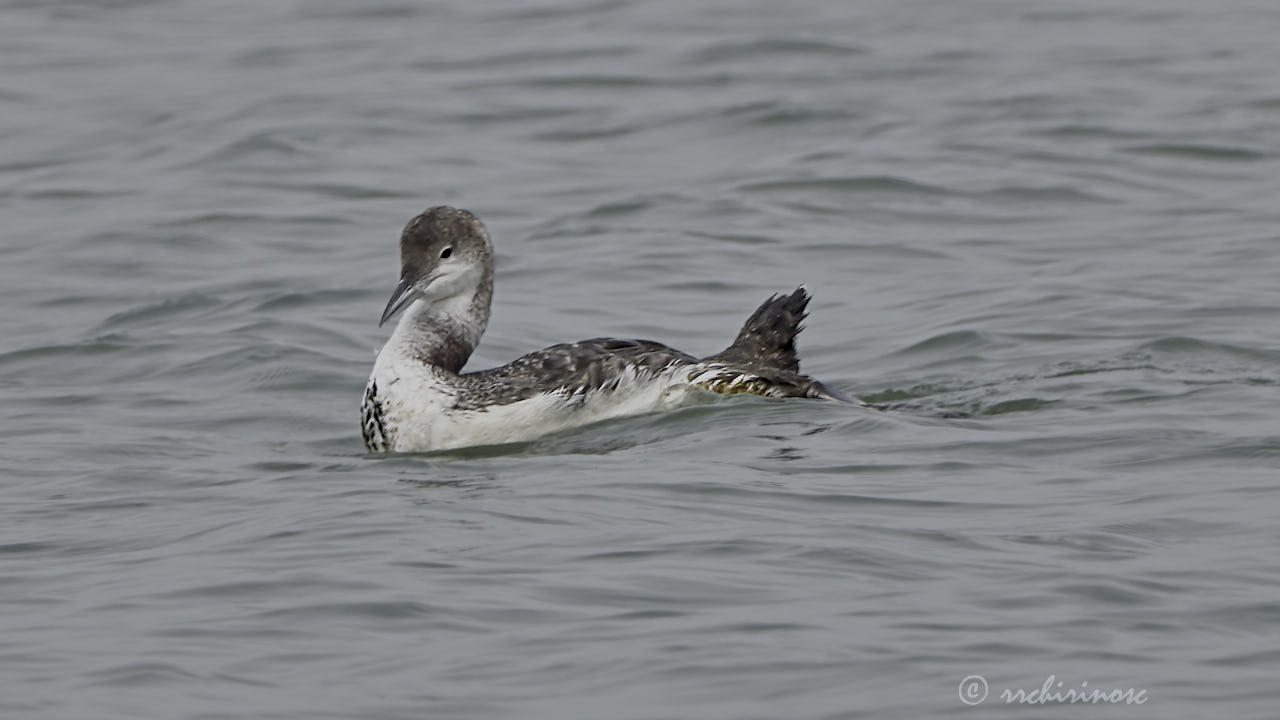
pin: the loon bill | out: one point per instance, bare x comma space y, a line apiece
418, 399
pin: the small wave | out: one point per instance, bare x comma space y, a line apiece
1216, 153
738, 51
1177, 345
860, 184
949, 342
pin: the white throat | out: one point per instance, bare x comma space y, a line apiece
443, 331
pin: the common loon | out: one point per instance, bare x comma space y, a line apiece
418, 400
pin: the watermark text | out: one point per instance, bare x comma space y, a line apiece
974, 691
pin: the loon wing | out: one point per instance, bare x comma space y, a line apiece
568, 367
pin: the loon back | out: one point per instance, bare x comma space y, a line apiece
761, 361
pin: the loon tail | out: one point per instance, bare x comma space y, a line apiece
768, 338
762, 360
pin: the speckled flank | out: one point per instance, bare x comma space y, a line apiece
737, 384
371, 421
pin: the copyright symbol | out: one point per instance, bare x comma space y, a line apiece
973, 690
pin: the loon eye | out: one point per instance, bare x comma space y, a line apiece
446, 253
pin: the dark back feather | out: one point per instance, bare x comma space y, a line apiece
768, 338
572, 367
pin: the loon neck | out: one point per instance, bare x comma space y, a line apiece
444, 332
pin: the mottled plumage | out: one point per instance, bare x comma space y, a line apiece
575, 368
416, 400
768, 338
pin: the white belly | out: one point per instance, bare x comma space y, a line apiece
419, 414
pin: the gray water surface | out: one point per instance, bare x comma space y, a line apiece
1058, 218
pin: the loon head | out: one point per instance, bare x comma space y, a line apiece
445, 253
